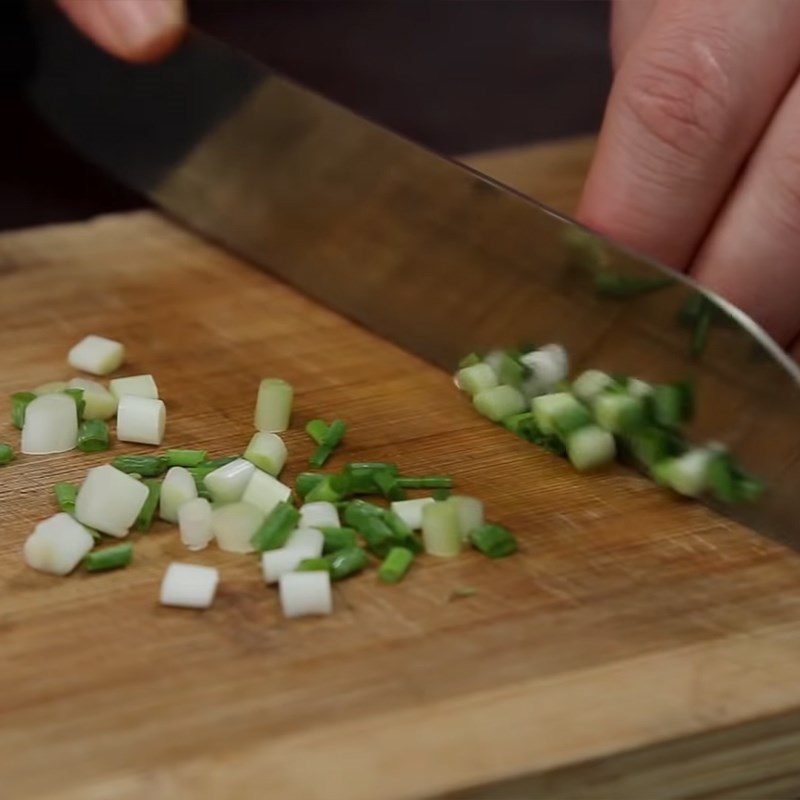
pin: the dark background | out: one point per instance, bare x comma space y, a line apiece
456, 75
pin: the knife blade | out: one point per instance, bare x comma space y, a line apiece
423, 251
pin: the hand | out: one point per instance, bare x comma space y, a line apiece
136, 30
698, 161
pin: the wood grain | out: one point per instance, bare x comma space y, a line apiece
636, 647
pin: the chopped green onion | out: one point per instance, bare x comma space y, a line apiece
346, 562
337, 539
51, 387
476, 378
619, 413
274, 405
395, 565
267, 451
499, 402
379, 537
93, 436
276, 528
672, 404
470, 513
441, 533
362, 474
469, 360
590, 447
590, 384
51, 425
388, 485
700, 332
145, 517
425, 482
494, 541
6, 454
99, 402
314, 565
441, 494
559, 411
216, 463
317, 429
512, 372
65, 496
306, 481
147, 466
19, 402
651, 445
403, 536
331, 489
687, 475
119, 555
80, 403
615, 284
136, 385
185, 458
463, 591
333, 437
410, 511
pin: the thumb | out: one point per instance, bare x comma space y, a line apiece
136, 30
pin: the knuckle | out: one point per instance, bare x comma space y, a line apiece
680, 94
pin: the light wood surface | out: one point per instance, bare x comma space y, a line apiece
636, 647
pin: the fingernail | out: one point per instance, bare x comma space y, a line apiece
141, 26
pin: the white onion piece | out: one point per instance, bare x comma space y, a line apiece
189, 586
470, 513
228, 482
194, 521
265, 492
177, 488
267, 451
275, 563
309, 540
410, 511
109, 500
52, 387
305, 593
234, 526
97, 355
318, 515
51, 425
137, 385
99, 403
57, 545
141, 419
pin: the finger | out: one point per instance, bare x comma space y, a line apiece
686, 107
628, 18
136, 30
752, 257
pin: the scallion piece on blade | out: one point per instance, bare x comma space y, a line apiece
306, 481
346, 562
619, 413
652, 444
499, 402
276, 528
146, 466
331, 489
621, 286
317, 429
590, 384
441, 533
511, 371
395, 565
93, 436
314, 565
185, 458
145, 517
590, 447
337, 539
267, 451
361, 475
559, 410
6, 454
494, 541
687, 475
476, 378
65, 496
77, 397
425, 482
273, 405
333, 437
119, 555
19, 402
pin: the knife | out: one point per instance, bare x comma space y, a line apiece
435, 257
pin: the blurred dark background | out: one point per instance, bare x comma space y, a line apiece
459, 76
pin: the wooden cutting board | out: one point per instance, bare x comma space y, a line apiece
636, 647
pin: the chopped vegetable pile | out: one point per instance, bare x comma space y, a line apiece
331, 533
598, 417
